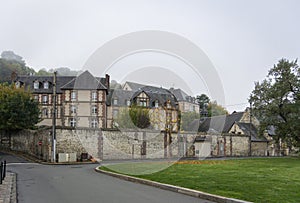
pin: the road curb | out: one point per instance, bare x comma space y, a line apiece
182, 190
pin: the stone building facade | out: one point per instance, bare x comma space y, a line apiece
80, 101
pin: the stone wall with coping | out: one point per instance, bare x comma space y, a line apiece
128, 144
34, 142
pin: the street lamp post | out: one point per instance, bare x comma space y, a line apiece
54, 119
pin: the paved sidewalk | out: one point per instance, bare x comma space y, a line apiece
8, 192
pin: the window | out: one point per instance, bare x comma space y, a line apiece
156, 103
46, 85
94, 96
168, 104
94, 123
36, 85
36, 98
45, 99
115, 113
143, 102
72, 122
128, 102
73, 109
73, 95
115, 101
45, 113
18, 84
94, 110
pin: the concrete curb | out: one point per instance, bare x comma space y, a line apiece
8, 189
182, 190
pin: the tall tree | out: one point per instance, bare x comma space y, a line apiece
17, 109
214, 109
276, 101
203, 101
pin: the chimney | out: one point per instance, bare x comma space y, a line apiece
107, 81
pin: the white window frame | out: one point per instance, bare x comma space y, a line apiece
72, 122
46, 85
115, 101
94, 110
156, 104
73, 95
73, 109
36, 98
128, 103
36, 85
45, 99
94, 123
94, 96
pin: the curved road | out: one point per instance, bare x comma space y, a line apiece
80, 183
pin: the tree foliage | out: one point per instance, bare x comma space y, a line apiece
140, 116
12, 63
17, 109
214, 109
276, 101
203, 101
133, 117
123, 119
209, 108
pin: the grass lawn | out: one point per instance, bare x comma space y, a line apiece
255, 179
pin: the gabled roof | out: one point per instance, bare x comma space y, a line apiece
29, 80
179, 94
250, 129
134, 86
221, 124
182, 95
85, 81
157, 94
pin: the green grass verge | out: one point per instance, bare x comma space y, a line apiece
257, 180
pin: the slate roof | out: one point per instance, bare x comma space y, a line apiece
121, 95
179, 94
29, 80
157, 93
221, 124
182, 95
249, 127
85, 81
134, 86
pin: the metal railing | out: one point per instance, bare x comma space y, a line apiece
2, 171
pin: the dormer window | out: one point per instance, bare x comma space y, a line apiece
46, 85
36, 85
115, 101
156, 103
18, 84
128, 102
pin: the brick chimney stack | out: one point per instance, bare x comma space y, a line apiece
107, 77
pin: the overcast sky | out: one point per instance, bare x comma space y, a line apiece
242, 39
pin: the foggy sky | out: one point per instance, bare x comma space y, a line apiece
243, 39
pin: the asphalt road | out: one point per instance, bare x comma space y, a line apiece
80, 183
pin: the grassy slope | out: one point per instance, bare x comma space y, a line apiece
258, 180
